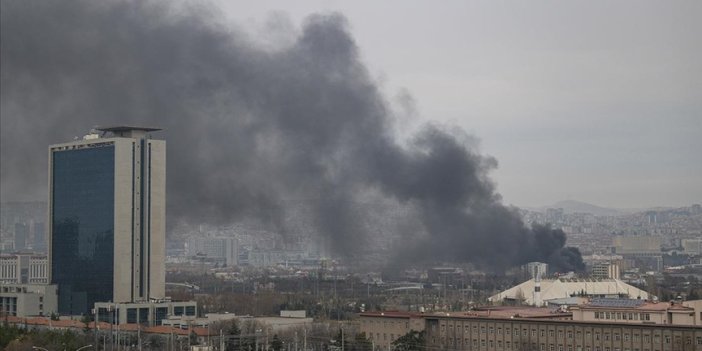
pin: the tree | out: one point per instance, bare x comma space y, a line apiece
276, 344
193, 338
412, 341
86, 320
362, 343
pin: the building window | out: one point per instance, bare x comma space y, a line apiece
667, 339
543, 333
570, 334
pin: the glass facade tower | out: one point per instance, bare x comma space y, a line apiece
83, 226
107, 219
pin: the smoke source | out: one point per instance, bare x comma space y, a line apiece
249, 126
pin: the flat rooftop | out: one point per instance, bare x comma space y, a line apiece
120, 129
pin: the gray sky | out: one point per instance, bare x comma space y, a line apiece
593, 101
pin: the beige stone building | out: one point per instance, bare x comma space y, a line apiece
24, 300
640, 312
24, 268
543, 333
544, 329
606, 270
385, 327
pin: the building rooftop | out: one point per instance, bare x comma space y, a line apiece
489, 311
512, 312
564, 288
120, 129
391, 314
639, 305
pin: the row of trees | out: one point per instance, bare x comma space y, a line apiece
13, 338
246, 336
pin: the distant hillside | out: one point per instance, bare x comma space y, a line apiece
572, 206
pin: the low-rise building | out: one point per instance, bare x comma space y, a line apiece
23, 300
147, 312
554, 333
24, 268
385, 327
639, 312
536, 293
692, 246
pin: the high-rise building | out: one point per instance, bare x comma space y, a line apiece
39, 242
605, 270
21, 233
224, 250
107, 218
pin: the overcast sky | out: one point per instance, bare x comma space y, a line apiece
593, 101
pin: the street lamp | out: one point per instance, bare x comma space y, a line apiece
83, 347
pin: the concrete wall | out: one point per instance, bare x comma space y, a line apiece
551, 335
157, 267
123, 263
29, 299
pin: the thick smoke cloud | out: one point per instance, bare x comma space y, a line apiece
249, 129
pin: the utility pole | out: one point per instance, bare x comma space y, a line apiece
95, 326
111, 312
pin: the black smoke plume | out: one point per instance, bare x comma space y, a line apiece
250, 128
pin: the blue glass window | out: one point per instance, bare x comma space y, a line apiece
83, 227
